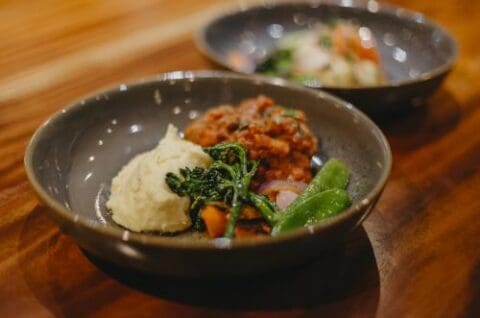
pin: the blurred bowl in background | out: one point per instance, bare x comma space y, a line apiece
416, 53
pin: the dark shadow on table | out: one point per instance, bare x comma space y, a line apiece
344, 278
339, 273
473, 306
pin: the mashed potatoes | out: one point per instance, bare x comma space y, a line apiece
140, 199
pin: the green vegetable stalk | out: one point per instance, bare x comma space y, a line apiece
280, 63
228, 179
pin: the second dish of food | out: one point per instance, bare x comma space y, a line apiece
337, 54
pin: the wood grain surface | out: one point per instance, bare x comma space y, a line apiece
418, 254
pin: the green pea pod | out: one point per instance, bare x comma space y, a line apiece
312, 210
325, 196
333, 175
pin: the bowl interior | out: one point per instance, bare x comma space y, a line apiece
410, 46
75, 155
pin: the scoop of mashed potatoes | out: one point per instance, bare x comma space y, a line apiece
140, 199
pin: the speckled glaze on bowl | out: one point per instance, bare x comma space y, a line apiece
73, 156
416, 53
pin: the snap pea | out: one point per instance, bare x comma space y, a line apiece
325, 196
333, 175
312, 210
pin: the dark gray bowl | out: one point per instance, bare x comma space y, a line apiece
416, 53
74, 155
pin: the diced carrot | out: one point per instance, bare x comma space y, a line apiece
266, 228
346, 41
215, 220
249, 213
251, 229
366, 53
243, 232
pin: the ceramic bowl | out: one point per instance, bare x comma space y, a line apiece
416, 53
73, 156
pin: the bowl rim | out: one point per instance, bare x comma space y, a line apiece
70, 217
203, 46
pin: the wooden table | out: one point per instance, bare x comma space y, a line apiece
419, 255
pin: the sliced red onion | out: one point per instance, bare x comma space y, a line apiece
279, 185
285, 198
